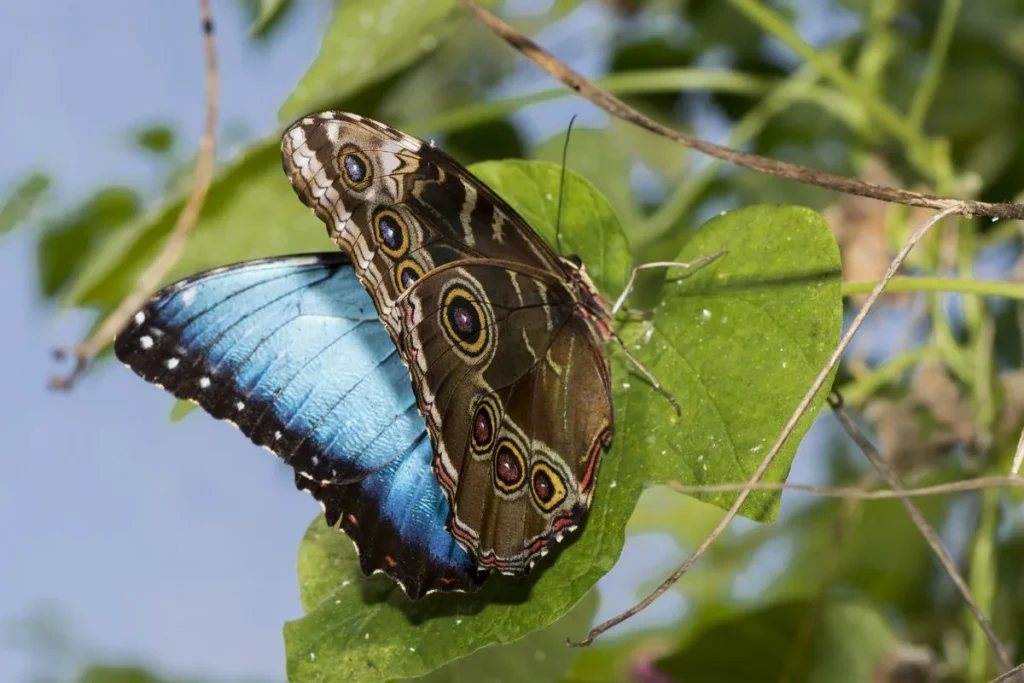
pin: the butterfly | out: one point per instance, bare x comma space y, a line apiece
441, 386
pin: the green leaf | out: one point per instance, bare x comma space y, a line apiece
604, 160
367, 41
797, 267
69, 240
799, 642
250, 211
181, 409
590, 228
157, 139
541, 657
22, 200
266, 15
737, 343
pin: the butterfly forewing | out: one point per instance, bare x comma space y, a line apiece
515, 449
291, 351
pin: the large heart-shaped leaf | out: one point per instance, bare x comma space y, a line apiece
782, 263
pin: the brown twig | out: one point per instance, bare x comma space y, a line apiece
1010, 675
154, 275
616, 107
787, 430
857, 492
948, 563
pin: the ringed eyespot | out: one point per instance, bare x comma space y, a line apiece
483, 428
547, 486
355, 168
509, 467
463, 320
406, 273
391, 233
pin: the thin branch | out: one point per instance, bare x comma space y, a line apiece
805, 403
1010, 675
175, 245
1018, 457
616, 107
855, 492
930, 535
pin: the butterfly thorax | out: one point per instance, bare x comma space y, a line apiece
592, 305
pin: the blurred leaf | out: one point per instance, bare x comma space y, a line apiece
181, 409
367, 41
250, 211
157, 139
798, 642
786, 252
22, 200
496, 139
541, 657
266, 15
69, 241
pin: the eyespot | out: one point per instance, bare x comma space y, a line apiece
547, 486
509, 467
463, 320
355, 168
483, 428
391, 233
406, 273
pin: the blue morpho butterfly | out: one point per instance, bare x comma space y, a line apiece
442, 387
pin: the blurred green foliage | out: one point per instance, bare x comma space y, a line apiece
926, 90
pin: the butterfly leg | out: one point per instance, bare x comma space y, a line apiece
694, 265
647, 374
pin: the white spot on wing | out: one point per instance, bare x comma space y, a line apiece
204, 382
172, 363
146, 341
240, 405
140, 318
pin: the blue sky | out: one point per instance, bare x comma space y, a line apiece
172, 545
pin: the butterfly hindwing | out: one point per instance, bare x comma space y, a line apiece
516, 392
291, 351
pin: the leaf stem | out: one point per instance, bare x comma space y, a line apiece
1009, 290
983, 585
929, 84
856, 392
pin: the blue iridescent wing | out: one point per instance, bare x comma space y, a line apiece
290, 350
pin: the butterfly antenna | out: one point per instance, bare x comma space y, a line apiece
561, 188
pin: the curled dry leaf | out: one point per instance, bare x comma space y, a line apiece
859, 224
1011, 417
901, 435
906, 663
933, 388
919, 430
